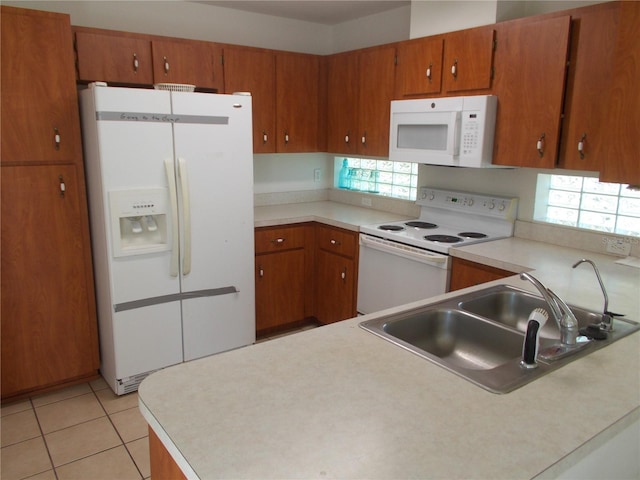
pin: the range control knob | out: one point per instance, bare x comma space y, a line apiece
469, 202
502, 206
491, 205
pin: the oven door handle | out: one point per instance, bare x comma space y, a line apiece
406, 251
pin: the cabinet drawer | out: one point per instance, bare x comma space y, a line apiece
278, 239
337, 240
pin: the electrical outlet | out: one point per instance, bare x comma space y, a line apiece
317, 175
366, 201
618, 246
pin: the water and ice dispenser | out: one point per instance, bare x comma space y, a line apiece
140, 221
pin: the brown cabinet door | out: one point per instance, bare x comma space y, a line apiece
188, 61
468, 60
376, 88
48, 324
621, 163
467, 274
585, 133
336, 280
419, 68
113, 58
297, 77
530, 63
342, 109
253, 70
280, 288
39, 106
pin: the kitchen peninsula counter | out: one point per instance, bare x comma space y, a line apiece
339, 402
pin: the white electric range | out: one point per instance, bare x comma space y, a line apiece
406, 261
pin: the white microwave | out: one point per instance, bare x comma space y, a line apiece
451, 131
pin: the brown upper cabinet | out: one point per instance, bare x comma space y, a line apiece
40, 121
468, 60
530, 72
587, 131
360, 90
129, 58
620, 162
188, 61
297, 92
455, 63
254, 70
112, 58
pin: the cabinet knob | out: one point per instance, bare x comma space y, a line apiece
63, 187
260, 271
286, 137
343, 274
540, 145
264, 137
429, 71
166, 65
454, 68
334, 242
136, 63
364, 138
278, 241
56, 138
346, 137
581, 143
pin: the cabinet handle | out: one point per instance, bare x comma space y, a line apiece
260, 271
63, 187
540, 145
334, 242
286, 137
136, 63
56, 138
343, 275
264, 137
454, 68
429, 71
278, 241
166, 65
346, 137
364, 138
581, 145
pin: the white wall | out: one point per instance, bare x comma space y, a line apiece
194, 21
434, 17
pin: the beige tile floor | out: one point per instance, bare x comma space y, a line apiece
81, 432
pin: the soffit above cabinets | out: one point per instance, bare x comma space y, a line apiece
327, 12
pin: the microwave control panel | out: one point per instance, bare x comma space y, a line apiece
472, 134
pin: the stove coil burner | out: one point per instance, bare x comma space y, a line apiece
391, 228
417, 224
443, 238
472, 235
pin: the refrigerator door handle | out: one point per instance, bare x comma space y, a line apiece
173, 200
186, 215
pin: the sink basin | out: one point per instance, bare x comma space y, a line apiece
460, 339
479, 335
512, 307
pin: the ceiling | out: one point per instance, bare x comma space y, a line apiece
327, 12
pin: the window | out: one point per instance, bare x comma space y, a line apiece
585, 202
380, 177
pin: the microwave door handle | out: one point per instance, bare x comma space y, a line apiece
453, 140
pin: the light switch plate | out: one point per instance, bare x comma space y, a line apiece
618, 246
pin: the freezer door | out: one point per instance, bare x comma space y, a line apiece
213, 147
133, 143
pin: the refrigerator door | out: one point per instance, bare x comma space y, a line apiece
132, 151
215, 196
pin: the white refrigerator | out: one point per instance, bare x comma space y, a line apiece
170, 187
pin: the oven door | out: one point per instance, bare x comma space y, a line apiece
392, 274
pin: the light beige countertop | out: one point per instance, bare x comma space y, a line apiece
339, 402
332, 213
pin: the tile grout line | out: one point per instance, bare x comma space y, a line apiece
44, 440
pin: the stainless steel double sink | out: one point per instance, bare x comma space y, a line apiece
479, 336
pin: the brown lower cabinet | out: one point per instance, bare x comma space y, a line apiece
468, 274
304, 272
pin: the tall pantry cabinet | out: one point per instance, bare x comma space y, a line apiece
48, 318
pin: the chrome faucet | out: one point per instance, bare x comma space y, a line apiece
560, 311
607, 317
